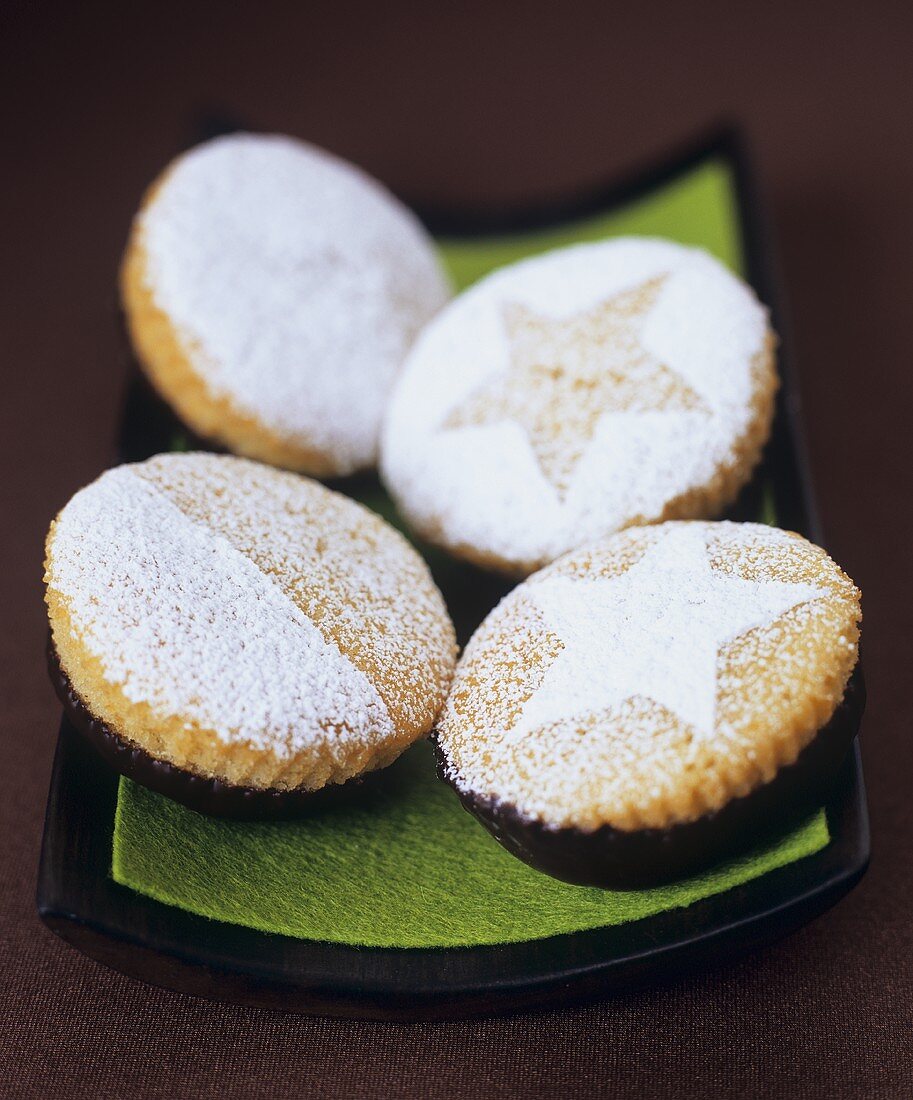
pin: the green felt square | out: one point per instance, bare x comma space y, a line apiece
697, 209
406, 866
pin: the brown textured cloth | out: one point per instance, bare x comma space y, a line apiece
481, 104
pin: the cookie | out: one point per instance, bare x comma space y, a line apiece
577, 393
238, 637
649, 703
271, 292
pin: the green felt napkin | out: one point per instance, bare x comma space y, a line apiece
696, 209
407, 867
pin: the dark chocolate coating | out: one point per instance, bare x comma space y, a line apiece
631, 860
206, 795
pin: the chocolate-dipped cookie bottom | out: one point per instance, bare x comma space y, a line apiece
631, 860
205, 794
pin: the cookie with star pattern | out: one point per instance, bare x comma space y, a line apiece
239, 638
271, 292
654, 701
577, 393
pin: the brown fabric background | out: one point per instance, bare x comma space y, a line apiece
469, 103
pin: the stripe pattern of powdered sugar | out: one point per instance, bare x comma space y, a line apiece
186, 623
355, 577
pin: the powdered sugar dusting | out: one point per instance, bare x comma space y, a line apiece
477, 422
663, 621
186, 623
296, 282
354, 577
637, 679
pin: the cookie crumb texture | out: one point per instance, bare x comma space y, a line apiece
649, 679
271, 293
244, 623
577, 393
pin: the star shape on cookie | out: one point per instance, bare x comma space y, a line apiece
654, 631
563, 375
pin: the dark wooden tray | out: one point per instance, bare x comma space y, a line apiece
169, 947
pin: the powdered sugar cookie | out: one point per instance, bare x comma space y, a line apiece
652, 701
577, 393
237, 637
271, 293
